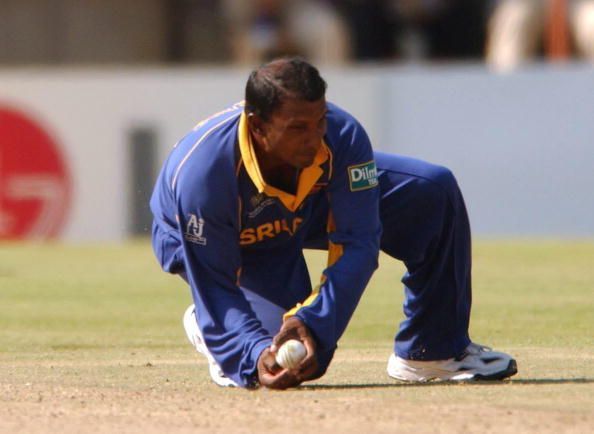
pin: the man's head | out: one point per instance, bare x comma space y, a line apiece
286, 108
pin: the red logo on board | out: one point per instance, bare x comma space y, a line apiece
34, 181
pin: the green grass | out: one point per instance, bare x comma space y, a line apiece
101, 325
525, 293
58, 298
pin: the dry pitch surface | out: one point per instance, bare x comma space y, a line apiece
91, 341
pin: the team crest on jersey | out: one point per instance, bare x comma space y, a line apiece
194, 230
259, 202
362, 176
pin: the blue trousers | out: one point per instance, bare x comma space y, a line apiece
425, 225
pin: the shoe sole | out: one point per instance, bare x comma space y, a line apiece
512, 369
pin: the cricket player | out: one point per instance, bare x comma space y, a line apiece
249, 188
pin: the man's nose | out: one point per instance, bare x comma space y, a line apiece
313, 142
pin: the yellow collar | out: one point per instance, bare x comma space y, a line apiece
307, 177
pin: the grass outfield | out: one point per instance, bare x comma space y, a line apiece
92, 336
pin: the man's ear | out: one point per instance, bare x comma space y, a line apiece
256, 124
256, 127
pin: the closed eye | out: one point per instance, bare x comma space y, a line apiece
297, 127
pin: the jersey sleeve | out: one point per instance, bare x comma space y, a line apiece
208, 225
354, 231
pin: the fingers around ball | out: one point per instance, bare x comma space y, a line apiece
270, 363
308, 368
272, 376
293, 328
279, 381
267, 363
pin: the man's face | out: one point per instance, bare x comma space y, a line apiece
293, 134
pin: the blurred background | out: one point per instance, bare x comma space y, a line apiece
93, 94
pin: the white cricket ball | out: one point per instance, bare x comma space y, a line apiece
290, 354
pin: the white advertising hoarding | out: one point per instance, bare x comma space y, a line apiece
521, 145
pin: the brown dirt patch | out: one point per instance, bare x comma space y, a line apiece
175, 395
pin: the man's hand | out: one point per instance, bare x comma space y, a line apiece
293, 328
271, 375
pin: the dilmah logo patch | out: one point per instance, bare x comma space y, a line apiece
362, 176
194, 230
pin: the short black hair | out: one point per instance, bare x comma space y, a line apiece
291, 77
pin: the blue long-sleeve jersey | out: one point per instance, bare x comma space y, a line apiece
218, 222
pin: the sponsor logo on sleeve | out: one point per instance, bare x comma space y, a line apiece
194, 230
362, 176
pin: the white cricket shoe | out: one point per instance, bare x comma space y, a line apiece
195, 337
477, 363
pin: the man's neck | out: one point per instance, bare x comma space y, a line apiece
276, 172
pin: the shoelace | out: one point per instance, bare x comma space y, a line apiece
474, 348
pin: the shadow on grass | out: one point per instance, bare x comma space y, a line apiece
521, 381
